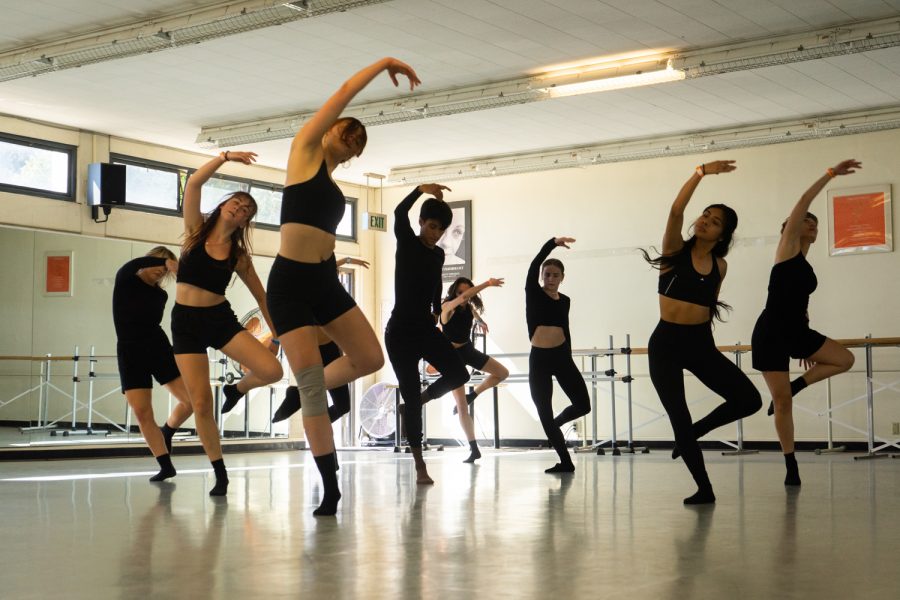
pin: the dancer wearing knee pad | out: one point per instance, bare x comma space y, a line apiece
216, 246
691, 274
304, 290
144, 352
547, 316
782, 331
411, 332
460, 310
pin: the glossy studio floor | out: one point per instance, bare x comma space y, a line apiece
499, 529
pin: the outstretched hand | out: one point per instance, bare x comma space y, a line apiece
719, 166
356, 261
563, 241
248, 158
847, 167
435, 189
396, 67
495, 282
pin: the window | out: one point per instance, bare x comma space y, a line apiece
346, 229
37, 167
152, 185
268, 202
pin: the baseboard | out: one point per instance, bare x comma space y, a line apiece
765, 446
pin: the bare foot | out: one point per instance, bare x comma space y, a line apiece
422, 477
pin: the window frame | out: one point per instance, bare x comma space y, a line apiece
68, 149
136, 161
354, 233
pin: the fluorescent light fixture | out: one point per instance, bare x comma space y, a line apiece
617, 83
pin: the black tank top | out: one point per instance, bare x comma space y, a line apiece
459, 328
317, 202
683, 282
200, 269
790, 284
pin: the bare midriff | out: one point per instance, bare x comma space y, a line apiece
305, 243
681, 312
191, 295
548, 336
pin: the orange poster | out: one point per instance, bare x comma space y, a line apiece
859, 220
58, 275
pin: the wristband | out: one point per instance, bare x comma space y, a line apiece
831, 172
701, 170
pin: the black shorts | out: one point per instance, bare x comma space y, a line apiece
305, 294
472, 357
775, 342
144, 360
196, 328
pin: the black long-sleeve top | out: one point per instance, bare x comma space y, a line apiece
540, 308
417, 273
137, 307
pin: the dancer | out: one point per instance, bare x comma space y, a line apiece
547, 316
340, 396
461, 307
215, 247
144, 352
304, 290
411, 332
691, 274
782, 330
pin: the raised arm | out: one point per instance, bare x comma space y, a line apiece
248, 275
142, 262
534, 270
672, 240
193, 218
789, 244
402, 228
450, 305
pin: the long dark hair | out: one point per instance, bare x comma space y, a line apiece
720, 250
353, 127
240, 237
474, 300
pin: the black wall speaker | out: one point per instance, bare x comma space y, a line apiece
106, 187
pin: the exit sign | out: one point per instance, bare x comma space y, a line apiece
376, 221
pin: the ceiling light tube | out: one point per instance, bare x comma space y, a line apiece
620, 82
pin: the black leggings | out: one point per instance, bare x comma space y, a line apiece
543, 365
672, 349
340, 396
405, 347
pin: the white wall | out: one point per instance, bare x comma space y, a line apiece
611, 210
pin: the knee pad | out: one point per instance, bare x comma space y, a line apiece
311, 385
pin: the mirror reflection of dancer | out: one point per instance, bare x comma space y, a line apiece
691, 274
460, 308
216, 247
411, 333
340, 396
547, 315
782, 330
304, 290
144, 351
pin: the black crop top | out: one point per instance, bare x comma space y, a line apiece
317, 202
137, 307
540, 308
683, 282
459, 328
790, 284
200, 269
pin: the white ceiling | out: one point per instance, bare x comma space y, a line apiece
166, 97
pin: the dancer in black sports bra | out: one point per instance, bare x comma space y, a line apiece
304, 291
547, 318
144, 352
782, 331
215, 247
461, 308
691, 273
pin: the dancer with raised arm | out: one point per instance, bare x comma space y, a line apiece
216, 246
782, 331
547, 316
461, 308
304, 291
691, 275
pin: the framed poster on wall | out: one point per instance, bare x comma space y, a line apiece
859, 220
59, 271
457, 243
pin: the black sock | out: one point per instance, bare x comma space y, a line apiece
327, 466
704, 495
475, 453
232, 396
166, 469
792, 477
168, 434
798, 385
221, 487
470, 398
561, 468
771, 410
289, 405
675, 452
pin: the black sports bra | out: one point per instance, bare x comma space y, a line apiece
459, 328
683, 282
317, 202
202, 270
